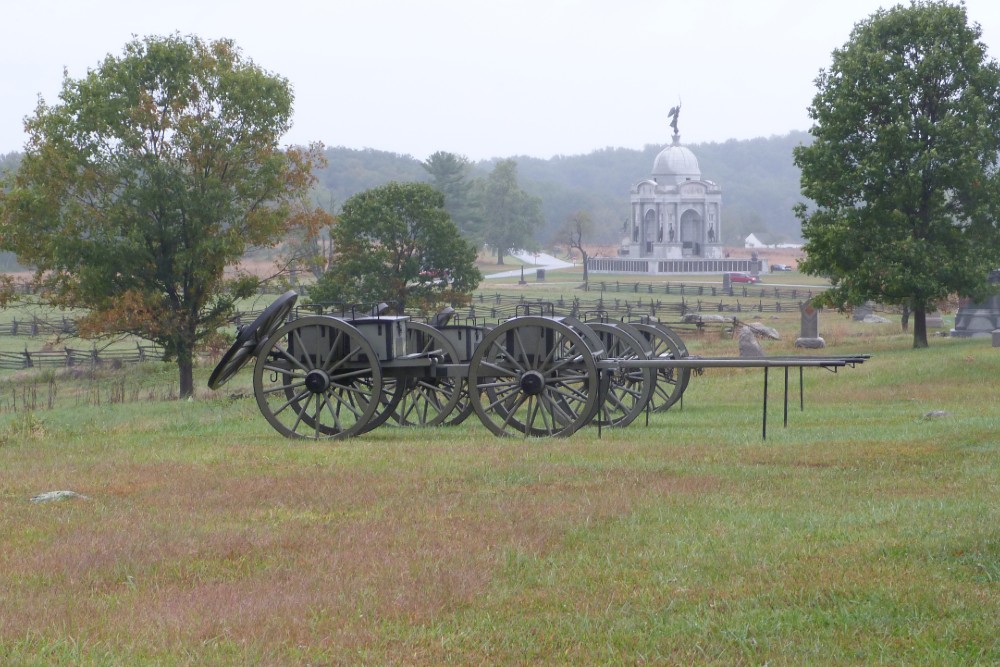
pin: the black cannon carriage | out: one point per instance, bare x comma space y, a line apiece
323, 376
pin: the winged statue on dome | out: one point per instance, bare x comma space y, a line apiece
673, 114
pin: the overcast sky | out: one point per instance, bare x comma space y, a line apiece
479, 78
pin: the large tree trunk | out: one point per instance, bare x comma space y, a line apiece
185, 365
499, 256
586, 275
919, 326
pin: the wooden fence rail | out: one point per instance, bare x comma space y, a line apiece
70, 358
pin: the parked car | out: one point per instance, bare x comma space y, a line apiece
741, 277
781, 267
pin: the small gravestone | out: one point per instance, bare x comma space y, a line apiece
934, 321
863, 311
979, 319
809, 328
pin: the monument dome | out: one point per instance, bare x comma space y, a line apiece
676, 164
675, 219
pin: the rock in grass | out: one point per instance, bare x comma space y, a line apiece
764, 331
749, 347
51, 496
936, 414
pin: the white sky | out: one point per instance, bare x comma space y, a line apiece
481, 78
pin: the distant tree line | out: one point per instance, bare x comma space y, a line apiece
759, 180
760, 183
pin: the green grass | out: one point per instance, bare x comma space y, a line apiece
864, 533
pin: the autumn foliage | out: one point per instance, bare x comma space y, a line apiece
151, 175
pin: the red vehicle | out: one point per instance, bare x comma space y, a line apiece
434, 275
741, 277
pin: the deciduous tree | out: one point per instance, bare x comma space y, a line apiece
153, 174
396, 244
510, 215
452, 175
576, 228
309, 247
903, 169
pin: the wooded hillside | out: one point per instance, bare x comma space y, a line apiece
760, 184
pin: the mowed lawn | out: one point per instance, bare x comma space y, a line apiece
866, 532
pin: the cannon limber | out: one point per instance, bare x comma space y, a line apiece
534, 374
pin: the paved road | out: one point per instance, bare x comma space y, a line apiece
532, 262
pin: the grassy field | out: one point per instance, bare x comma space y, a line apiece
866, 532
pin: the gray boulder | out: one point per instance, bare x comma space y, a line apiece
749, 347
765, 331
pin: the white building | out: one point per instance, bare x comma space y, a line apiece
675, 214
675, 221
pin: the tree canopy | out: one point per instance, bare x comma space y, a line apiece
903, 168
452, 175
397, 244
153, 174
510, 216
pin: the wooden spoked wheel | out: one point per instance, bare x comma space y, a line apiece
628, 390
670, 382
533, 376
463, 409
250, 337
427, 400
390, 397
674, 336
317, 377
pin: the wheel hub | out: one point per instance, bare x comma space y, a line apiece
532, 383
317, 381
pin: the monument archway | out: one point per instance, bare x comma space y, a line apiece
650, 226
691, 224
675, 218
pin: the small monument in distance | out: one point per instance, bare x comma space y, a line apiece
979, 319
809, 329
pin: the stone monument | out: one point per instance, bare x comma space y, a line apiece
865, 310
979, 319
675, 218
809, 329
